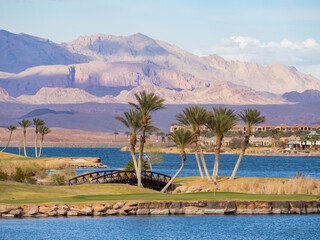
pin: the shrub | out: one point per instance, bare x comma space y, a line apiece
61, 177
3, 176
130, 166
235, 143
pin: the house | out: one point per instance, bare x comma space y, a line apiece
260, 141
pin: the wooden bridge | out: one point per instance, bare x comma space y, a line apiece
151, 180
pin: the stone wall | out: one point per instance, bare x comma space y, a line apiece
162, 208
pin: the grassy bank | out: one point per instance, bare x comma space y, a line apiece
20, 193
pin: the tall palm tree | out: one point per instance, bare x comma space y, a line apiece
37, 122
11, 129
24, 124
43, 130
132, 120
195, 116
182, 138
250, 117
220, 122
147, 103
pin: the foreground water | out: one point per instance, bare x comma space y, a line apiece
175, 227
251, 166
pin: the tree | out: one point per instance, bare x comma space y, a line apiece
11, 129
274, 133
132, 120
195, 117
37, 122
182, 138
115, 136
25, 124
220, 121
147, 103
43, 130
250, 117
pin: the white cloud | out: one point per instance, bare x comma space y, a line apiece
304, 55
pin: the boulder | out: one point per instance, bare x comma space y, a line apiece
128, 208
85, 211
62, 212
132, 204
159, 212
143, 211
99, 213
64, 206
194, 211
52, 213
180, 189
8, 215
112, 212
53, 207
230, 207
43, 209
98, 207
118, 205
298, 207
16, 212
5, 209
215, 208
72, 213
194, 188
312, 207
108, 205
30, 210
280, 207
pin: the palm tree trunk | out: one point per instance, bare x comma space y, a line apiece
142, 141
244, 147
36, 145
7, 142
183, 156
133, 142
204, 163
24, 142
197, 157
40, 146
216, 163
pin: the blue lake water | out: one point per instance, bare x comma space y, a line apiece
252, 166
174, 227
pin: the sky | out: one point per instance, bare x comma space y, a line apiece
285, 31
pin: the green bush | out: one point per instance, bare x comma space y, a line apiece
19, 175
3, 176
130, 166
61, 177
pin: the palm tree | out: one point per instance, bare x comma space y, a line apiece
250, 117
132, 120
11, 129
195, 117
182, 138
147, 103
220, 122
37, 122
25, 123
43, 130
274, 134
115, 136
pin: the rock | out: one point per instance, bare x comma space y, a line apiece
112, 212
194, 188
62, 212
52, 213
85, 211
159, 212
118, 205
72, 213
215, 208
194, 211
64, 206
43, 209
5, 209
312, 207
109, 205
122, 212
40, 215
53, 207
132, 204
144, 211
159, 205
143, 205
280, 207
132, 212
98, 207
230, 208
177, 211
16, 212
8, 215
180, 189
127, 208
99, 213
298, 207
30, 209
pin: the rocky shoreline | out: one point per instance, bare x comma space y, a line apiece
160, 208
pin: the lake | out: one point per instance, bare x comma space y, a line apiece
173, 227
251, 166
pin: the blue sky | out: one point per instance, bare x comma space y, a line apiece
286, 31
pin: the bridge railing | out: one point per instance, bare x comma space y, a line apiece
153, 180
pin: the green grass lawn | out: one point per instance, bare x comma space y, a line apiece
20, 193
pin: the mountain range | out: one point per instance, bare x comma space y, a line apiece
110, 69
